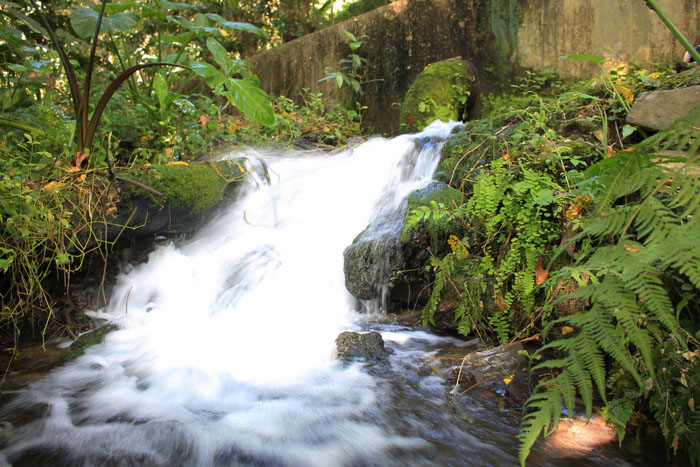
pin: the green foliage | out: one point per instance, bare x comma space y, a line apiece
348, 75
642, 283
312, 122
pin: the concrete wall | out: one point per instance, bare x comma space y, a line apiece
497, 37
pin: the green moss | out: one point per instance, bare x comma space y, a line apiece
438, 229
94, 337
198, 186
440, 92
466, 151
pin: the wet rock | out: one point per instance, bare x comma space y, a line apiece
491, 364
466, 153
193, 193
368, 345
77, 348
658, 109
520, 387
440, 92
389, 259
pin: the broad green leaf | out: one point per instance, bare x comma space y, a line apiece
84, 21
252, 101
33, 24
213, 77
112, 8
160, 84
180, 59
220, 55
183, 38
166, 5
235, 26
10, 4
628, 130
199, 29
339, 79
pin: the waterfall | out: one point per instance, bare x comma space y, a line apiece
224, 352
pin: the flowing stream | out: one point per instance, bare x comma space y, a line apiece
224, 354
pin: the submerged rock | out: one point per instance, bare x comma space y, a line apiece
370, 345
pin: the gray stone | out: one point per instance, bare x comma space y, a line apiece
658, 109
385, 261
369, 345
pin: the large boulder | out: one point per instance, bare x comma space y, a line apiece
465, 154
657, 110
440, 92
172, 199
387, 259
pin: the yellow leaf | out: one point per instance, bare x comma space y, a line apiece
508, 379
463, 253
177, 163
626, 93
566, 330
52, 186
454, 242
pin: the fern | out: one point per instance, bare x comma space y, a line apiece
646, 229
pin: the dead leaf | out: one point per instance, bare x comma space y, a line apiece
540, 273
674, 444
691, 404
52, 186
203, 120
684, 381
626, 93
611, 151
566, 330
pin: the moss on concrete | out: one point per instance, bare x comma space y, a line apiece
440, 92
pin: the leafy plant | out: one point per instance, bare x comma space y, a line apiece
642, 283
348, 75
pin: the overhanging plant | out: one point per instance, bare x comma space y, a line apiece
86, 125
244, 93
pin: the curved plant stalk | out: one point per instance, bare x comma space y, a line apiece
674, 30
21, 126
86, 127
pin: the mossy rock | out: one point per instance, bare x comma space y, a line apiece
438, 230
440, 92
355, 345
192, 192
78, 347
198, 186
465, 153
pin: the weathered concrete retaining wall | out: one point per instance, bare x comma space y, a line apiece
497, 37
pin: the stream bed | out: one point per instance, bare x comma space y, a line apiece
224, 352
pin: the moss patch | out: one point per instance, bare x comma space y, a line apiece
440, 92
438, 229
198, 186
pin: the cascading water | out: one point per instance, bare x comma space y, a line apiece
224, 353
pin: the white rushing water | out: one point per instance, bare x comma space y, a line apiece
224, 353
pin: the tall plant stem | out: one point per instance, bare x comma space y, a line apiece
672, 27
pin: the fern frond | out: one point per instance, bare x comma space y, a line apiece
544, 413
